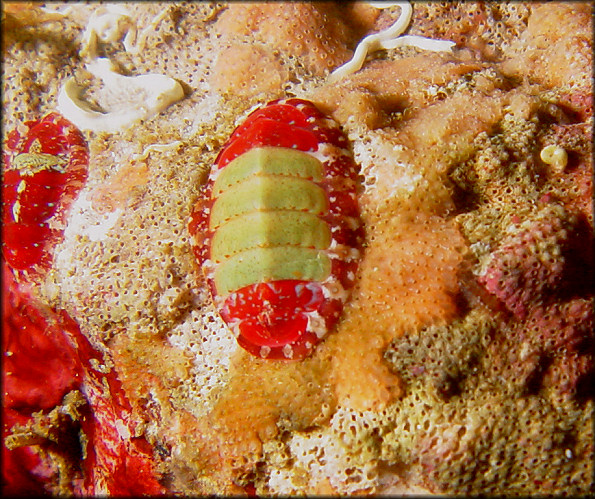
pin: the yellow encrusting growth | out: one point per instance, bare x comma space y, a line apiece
30, 163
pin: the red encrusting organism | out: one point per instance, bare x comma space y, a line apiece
45, 166
46, 356
277, 230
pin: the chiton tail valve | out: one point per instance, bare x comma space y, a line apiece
45, 166
278, 232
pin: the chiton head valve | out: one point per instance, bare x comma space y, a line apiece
277, 231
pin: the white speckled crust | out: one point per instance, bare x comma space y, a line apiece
141, 97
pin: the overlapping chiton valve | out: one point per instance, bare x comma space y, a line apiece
277, 231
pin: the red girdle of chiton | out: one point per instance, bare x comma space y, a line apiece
45, 166
277, 229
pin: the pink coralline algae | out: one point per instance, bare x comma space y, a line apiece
528, 265
541, 274
580, 102
565, 332
551, 350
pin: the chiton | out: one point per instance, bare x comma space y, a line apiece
277, 229
45, 167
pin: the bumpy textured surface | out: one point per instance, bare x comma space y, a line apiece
463, 361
